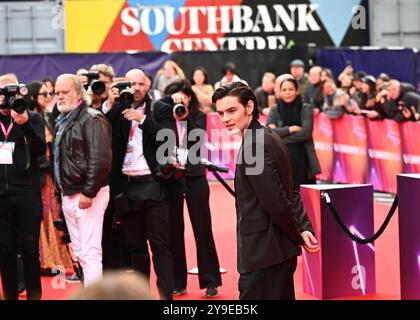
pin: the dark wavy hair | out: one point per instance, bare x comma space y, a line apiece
32, 98
184, 86
204, 71
239, 90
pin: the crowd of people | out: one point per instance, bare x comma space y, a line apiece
78, 154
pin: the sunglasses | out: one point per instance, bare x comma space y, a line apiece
46, 94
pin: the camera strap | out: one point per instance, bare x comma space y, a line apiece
27, 154
6, 132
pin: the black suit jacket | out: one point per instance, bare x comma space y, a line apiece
120, 134
270, 217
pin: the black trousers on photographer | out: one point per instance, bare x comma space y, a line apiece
197, 195
148, 221
20, 222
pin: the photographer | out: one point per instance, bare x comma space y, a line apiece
97, 81
22, 142
195, 189
136, 190
402, 103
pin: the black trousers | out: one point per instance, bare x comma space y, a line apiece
115, 254
150, 222
272, 283
197, 196
20, 222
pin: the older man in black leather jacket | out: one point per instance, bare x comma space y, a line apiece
82, 163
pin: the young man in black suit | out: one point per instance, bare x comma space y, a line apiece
272, 224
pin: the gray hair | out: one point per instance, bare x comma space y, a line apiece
78, 87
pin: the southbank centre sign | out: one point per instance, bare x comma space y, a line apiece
212, 25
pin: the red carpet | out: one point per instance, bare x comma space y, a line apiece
224, 226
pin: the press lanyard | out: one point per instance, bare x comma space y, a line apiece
134, 127
6, 132
181, 132
133, 130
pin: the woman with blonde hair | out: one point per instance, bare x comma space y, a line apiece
169, 73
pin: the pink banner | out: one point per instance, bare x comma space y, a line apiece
222, 147
323, 138
350, 148
411, 146
385, 152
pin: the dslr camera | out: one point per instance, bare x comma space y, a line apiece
13, 97
180, 112
401, 109
126, 98
98, 87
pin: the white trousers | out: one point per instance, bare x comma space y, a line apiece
85, 229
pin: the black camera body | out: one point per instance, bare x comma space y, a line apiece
98, 87
13, 97
126, 98
180, 112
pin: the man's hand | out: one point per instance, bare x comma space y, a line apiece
83, 79
178, 98
132, 114
84, 202
373, 114
272, 126
311, 244
20, 119
113, 95
294, 129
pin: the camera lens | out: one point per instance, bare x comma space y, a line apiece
98, 87
180, 111
126, 98
18, 105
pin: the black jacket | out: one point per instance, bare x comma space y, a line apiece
85, 153
194, 121
15, 178
120, 133
270, 217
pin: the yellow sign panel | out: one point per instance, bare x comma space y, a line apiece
88, 23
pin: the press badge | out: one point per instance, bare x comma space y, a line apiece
6, 152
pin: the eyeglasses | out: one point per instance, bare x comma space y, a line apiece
45, 94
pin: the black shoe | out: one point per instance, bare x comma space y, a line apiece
21, 288
178, 292
166, 296
73, 278
211, 292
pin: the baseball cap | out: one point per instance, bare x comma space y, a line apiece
297, 63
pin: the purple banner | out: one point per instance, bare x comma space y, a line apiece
409, 222
411, 146
342, 268
418, 71
399, 64
37, 67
